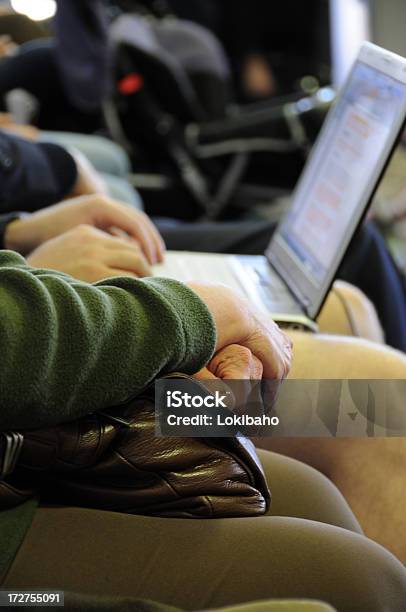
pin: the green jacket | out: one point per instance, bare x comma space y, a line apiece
68, 349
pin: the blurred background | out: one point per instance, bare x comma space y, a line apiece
334, 28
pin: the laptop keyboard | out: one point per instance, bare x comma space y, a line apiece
271, 282
272, 291
258, 283
186, 267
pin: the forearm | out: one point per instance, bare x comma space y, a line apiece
69, 349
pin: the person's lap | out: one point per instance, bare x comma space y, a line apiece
368, 471
302, 492
245, 559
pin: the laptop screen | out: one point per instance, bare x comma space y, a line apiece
340, 177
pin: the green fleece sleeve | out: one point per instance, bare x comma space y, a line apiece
68, 348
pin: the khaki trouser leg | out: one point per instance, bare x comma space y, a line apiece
197, 564
370, 472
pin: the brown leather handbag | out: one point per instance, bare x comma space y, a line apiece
116, 462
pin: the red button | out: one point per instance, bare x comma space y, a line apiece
130, 84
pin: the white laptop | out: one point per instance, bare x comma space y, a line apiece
291, 281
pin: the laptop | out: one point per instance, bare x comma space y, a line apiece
292, 280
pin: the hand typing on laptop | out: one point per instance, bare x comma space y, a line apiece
90, 255
97, 211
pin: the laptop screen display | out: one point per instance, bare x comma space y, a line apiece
338, 180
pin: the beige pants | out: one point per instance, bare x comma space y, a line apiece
309, 546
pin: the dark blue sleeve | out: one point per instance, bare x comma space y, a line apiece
33, 175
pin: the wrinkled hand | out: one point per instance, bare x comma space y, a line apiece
90, 255
238, 322
246, 394
98, 211
234, 362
